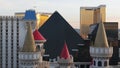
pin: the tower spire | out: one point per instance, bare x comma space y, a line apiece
65, 60
29, 44
101, 39
65, 53
38, 36
101, 52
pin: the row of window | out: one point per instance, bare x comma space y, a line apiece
99, 63
11, 47
81, 66
0, 47
33, 63
11, 30
11, 42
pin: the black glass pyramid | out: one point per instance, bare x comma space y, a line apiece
57, 31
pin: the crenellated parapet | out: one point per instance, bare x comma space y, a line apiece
101, 52
29, 55
44, 64
10, 18
67, 61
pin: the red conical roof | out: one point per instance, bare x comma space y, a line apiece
65, 53
37, 35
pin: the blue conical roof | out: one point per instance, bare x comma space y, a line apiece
30, 15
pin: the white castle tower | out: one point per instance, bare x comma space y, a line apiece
39, 41
65, 60
100, 51
30, 56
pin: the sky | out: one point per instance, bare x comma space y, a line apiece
69, 9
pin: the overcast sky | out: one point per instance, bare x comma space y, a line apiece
69, 9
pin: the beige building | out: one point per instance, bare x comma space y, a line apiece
91, 15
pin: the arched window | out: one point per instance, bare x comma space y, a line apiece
105, 63
99, 63
38, 47
94, 63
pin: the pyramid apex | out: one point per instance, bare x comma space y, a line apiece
65, 53
29, 43
56, 11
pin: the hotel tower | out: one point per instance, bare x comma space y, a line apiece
12, 35
90, 15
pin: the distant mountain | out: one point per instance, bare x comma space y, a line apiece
57, 31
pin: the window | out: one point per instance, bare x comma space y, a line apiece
94, 63
82, 66
38, 47
6, 30
17, 33
17, 40
12, 33
99, 63
6, 40
105, 63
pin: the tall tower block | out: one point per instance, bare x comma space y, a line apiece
90, 15
100, 51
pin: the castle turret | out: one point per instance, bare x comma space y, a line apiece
100, 51
65, 60
30, 17
29, 57
39, 41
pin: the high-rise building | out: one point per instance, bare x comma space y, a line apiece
42, 18
12, 35
90, 15
12, 32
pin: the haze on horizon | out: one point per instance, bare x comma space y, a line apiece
69, 9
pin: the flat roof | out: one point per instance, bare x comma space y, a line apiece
92, 7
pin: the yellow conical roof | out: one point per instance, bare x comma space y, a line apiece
101, 39
29, 43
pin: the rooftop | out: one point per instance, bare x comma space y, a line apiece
37, 36
30, 15
65, 53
